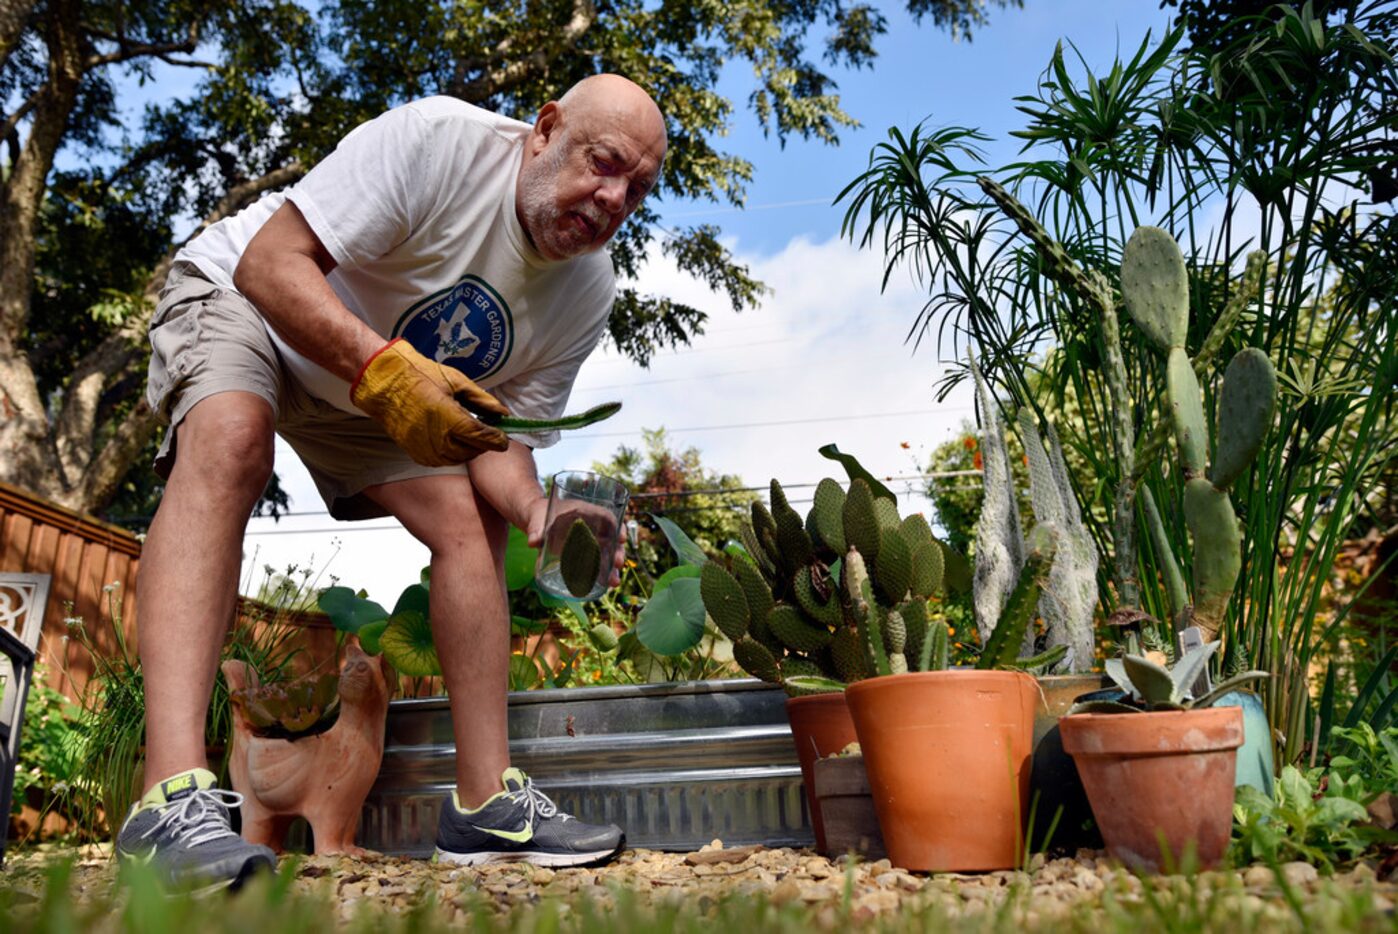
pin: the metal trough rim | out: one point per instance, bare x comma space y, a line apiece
565, 695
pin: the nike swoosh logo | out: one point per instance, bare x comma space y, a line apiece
523, 835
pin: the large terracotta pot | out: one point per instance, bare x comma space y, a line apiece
820, 726
1159, 776
948, 757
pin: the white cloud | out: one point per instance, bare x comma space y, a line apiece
825, 355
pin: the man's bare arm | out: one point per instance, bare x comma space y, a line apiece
509, 480
283, 272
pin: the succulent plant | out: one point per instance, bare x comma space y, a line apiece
290, 709
566, 423
1150, 686
843, 594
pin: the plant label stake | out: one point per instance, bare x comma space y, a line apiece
1189, 638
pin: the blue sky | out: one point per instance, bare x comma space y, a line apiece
920, 74
824, 359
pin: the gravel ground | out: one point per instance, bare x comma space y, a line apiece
1051, 889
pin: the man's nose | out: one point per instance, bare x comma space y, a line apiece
611, 194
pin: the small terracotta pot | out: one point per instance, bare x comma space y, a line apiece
1156, 778
820, 726
948, 756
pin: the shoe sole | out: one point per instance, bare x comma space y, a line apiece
251, 869
535, 858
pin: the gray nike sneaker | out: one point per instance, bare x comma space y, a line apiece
181, 829
521, 824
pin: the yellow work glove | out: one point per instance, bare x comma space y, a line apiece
421, 404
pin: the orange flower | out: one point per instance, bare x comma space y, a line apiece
977, 461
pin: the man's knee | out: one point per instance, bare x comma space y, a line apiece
229, 444
466, 524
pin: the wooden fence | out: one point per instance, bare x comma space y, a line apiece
93, 565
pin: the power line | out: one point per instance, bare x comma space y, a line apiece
677, 494
791, 421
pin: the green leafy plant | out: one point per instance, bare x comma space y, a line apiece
404, 636
1150, 686
1311, 818
46, 771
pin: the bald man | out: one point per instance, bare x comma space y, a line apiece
440, 255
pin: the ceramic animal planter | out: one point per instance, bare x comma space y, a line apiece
324, 777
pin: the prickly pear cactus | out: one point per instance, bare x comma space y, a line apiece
1155, 288
580, 561
806, 604
1155, 285
724, 601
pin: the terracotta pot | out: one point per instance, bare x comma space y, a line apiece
820, 726
1166, 774
323, 778
847, 807
948, 756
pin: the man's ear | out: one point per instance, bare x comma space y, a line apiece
548, 123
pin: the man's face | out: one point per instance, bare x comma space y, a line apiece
585, 181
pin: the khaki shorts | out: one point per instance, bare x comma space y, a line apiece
206, 340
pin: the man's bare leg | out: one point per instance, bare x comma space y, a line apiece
188, 580
470, 617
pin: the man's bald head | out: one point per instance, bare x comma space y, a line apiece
592, 156
612, 98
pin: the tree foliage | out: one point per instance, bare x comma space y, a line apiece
709, 507
93, 207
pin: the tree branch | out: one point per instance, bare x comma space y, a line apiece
127, 50
508, 76
11, 124
125, 347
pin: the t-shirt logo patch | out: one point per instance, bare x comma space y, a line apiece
467, 327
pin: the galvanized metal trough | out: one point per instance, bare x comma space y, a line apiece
675, 765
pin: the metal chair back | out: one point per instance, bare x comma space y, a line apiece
23, 601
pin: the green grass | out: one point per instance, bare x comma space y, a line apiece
43, 900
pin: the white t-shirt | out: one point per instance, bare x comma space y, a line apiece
417, 207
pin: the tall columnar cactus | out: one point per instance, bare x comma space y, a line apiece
1069, 599
999, 538
1156, 291
1067, 595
